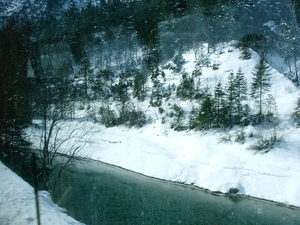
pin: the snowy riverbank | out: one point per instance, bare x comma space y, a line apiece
202, 161
211, 159
188, 157
17, 203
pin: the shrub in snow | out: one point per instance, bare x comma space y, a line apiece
108, 116
226, 138
240, 137
270, 108
268, 141
233, 191
161, 110
131, 117
137, 118
216, 66
197, 72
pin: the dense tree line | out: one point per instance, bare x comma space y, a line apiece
22, 41
15, 112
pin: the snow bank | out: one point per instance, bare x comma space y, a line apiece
17, 203
202, 160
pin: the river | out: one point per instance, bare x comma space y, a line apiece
96, 193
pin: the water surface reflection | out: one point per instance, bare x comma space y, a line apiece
95, 193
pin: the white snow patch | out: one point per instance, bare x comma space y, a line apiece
17, 203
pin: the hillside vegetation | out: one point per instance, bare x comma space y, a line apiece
225, 71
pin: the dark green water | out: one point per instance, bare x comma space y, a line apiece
95, 193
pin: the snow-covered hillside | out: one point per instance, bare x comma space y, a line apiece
17, 203
117, 77
212, 159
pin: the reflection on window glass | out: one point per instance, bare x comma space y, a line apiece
201, 93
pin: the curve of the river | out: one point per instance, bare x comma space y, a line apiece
96, 193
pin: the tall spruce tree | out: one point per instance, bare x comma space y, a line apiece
230, 98
261, 84
219, 109
240, 94
206, 112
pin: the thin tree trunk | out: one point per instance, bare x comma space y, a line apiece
296, 71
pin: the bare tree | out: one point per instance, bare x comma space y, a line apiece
59, 142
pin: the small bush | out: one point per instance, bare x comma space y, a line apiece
161, 110
108, 116
233, 190
137, 119
216, 66
240, 137
197, 72
225, 139
267, 141
131, 117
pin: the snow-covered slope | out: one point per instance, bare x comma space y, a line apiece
200, 159
17, 203
209, 159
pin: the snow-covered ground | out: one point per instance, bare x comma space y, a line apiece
202, 160
17, 203
212, 159
205, 159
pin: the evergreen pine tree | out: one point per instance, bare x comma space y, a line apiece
230, 98
139, 91
186, 89
240, 93
194, 122
270, 108
156, 94
219, 106
206, 112
261, 83
178, 121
